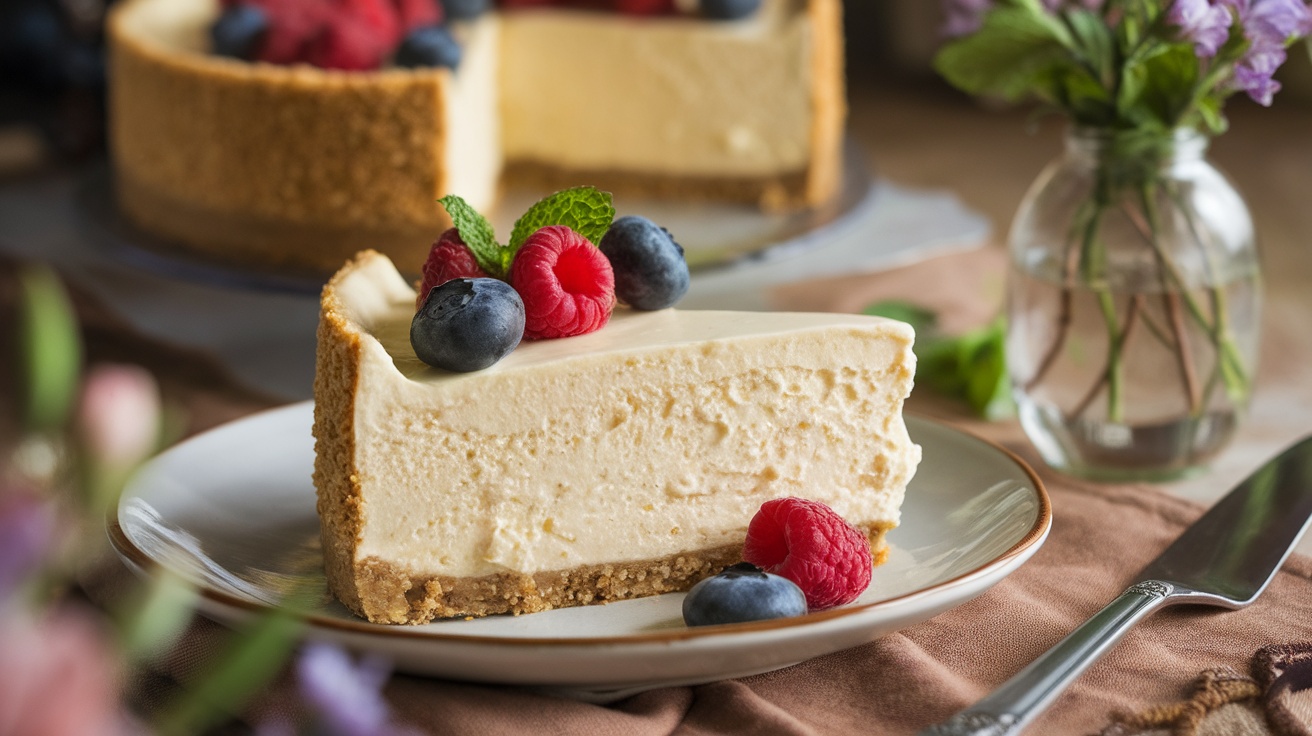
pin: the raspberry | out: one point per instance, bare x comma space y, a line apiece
347, 43
448, 259
293, 24
806, 542
417, 14
380, 17
645, 7
567, 284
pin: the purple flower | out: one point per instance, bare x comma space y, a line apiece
1274, 22
347, 697
1268, 25
964, 17
27, 528
1207, 25
1254, 72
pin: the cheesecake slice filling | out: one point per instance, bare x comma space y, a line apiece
624, 462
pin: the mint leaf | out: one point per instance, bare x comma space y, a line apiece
1014, 50
587, 211
477, 233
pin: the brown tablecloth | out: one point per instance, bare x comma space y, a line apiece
1102, 535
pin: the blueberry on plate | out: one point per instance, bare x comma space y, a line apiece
465, 9
729, 9
467, 324
429, 46
239, 31
743, 592
650, 272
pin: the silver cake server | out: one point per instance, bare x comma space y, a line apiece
1224, 559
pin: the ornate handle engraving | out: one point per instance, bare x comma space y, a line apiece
1154, 588
974, 723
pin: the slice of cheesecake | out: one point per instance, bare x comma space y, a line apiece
621, 463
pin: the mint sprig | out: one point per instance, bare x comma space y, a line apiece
587, 211
477, 233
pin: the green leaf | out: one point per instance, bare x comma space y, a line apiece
247, 665
1013, 51
158, 617
587, 211
477, 233
1163, 86
922, 320
50, 348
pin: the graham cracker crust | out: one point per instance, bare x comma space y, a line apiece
384, 593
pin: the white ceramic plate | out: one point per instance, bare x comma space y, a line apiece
233, 511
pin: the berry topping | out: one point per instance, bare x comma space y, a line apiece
347, 43
293, 24
467, 324
645, 7
239, 31
449, 258
729, 9
806, 542
414, 14
567, 284
742, 592
650, 272
466, 9
429, 46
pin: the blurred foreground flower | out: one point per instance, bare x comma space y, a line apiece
346, 696
57, 677
27, 529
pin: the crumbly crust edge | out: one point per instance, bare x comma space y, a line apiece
390, 594
336, 479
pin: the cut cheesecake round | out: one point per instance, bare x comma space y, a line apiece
617, 464
294, 168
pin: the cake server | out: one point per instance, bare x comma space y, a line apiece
1224, 559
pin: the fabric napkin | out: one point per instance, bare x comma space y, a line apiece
1101, 536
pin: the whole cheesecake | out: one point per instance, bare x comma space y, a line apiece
294, 168
621, 463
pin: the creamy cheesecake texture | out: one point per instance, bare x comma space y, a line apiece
299, 168
636, 454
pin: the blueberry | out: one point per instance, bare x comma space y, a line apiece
239, 32
650, 272
429, 46
467, 324
465, 9
729, 9
742, 592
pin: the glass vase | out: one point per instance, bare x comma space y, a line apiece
1133, 307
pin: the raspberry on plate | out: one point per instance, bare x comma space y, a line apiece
566, 283
811, 545
449, 258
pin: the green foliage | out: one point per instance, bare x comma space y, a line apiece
50, 349
1120, 68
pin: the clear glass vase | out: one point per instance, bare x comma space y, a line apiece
1133, 307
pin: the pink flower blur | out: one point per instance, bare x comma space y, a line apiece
119, 414
56, 677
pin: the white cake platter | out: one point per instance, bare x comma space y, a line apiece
232, 511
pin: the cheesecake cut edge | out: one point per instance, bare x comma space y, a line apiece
383, 592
